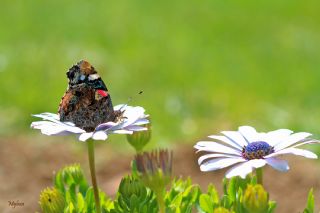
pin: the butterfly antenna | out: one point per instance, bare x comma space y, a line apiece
129, 100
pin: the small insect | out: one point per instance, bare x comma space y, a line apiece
87, 102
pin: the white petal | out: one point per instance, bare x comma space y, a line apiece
85, 136
235, 137
210, 146
100, 135
40, 124
219, 163
245, 168
134, 113
294, 151
52, 120
53, 130
130, 116
310, 141
48, 116
105, 126
75, 130
257, 163
226, 140
50, 128
240, 170
136, 128
142, 121
207, 156
249, 133
277, 136
278, 164
292, 139
122, 131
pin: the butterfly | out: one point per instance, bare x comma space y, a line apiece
87, 102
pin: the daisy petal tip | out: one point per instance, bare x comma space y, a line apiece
85, 136
82, 139
243, 176
247, 127
313, 156
100, 135
203, 168
228, 176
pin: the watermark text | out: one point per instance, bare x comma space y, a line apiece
15, 203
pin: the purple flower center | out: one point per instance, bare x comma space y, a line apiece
256, 150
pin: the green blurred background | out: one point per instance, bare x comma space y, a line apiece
204, 66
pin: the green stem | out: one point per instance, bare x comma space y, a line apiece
93, 174
160, 199
259, 174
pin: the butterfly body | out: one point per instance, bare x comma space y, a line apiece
86, 103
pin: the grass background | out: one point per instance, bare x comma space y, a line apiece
204, 66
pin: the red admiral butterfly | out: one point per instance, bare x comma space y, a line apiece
86, 103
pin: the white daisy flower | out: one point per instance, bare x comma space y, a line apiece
131, 120
250, 150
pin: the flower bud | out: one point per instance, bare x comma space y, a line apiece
52, 201
139, 139
255, 199
72, 173
130, 186
155, 168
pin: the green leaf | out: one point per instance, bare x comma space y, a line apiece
182, 196
58, 182
83, 187
310, 201
134, 202
232, 189
206, 203
238, 206
70, 208
254, 180
225, 186
72, 192
272, 206
80, 202
89, 200
225, 202
177, 200
134, 169
212, 191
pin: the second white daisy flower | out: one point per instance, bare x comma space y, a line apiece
248, 149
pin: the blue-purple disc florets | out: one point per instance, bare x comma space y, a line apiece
257, 150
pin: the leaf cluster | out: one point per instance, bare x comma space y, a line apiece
134, 197
79, 196
182, 196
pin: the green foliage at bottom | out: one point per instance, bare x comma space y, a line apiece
72, 194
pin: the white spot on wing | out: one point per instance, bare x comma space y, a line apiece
93, 77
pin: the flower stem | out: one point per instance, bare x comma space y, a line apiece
160, 199
93, 174
259, 174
